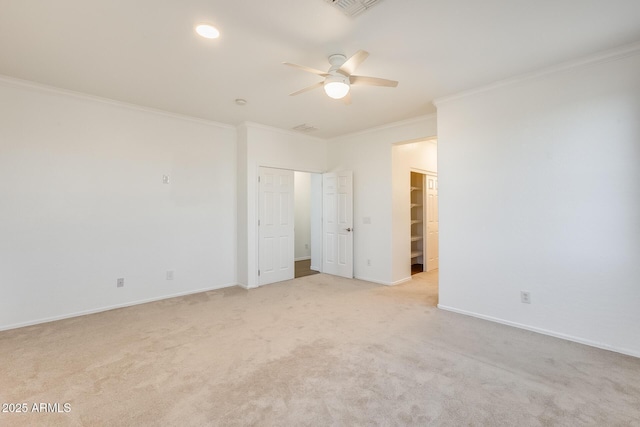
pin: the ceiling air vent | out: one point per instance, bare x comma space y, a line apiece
353, 7
305, 128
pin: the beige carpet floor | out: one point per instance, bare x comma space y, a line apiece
313, 351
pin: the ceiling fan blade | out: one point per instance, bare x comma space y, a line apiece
352, 63
307, 89
307, 69
347, 99
372, 81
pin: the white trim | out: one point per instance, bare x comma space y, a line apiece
112, 307
431, 139
255, 125
379, 282
302, 258
314, 268
27, 84
423, 171
401, 281
389, 126
288, 168
578, 340
600, 57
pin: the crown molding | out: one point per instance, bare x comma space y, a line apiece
598, 58
27, 84
391, 125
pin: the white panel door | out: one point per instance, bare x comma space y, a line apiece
432, 222
275, 226
337, 223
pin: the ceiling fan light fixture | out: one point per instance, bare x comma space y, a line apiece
336, 87
208, 31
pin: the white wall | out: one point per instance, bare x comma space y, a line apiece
242, 236
421, 156
302, 214
82, 203
369, 155
540, 191
271, 147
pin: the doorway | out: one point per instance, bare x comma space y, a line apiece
325, 229
424, 222
308, 223
412, 161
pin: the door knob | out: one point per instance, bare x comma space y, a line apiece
349, 229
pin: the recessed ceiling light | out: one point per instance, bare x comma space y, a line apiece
208, 31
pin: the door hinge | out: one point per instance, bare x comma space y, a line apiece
258, 273
258, 178
258, 222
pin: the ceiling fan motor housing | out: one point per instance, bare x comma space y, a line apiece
336, 61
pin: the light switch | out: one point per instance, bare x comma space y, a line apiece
165, 179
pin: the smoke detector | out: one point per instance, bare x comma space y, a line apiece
353, 7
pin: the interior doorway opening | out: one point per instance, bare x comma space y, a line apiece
308, 223
415, 248
424, 222
326, 209
417, 223
289, 224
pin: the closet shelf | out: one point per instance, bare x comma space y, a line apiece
415, 188
415, 221
415, 205
416, 254
416, 238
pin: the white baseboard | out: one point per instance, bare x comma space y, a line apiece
379, 282
314, 268
543, 331
401, 281
302, 258
111, 307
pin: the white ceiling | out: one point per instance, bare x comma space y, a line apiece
146, 52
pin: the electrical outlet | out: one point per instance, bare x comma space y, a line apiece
368, 263
120, 282
169, 274
525, 297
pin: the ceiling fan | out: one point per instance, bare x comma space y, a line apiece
339, 78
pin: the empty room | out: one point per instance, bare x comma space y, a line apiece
319, 212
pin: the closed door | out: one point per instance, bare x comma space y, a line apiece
337, 224
432, 222
275, 224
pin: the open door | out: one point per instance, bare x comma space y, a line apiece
337, 223
275, 226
